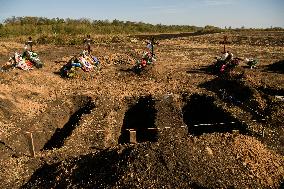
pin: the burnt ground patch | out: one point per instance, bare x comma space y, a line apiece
84, 106
201, 116
140, 117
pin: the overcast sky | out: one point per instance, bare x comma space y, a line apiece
221, 13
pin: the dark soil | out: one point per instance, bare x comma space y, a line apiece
140, 117
277, 67
194, 129
57, 140
201, 116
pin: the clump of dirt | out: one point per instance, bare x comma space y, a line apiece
228, 161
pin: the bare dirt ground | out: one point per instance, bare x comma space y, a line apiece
79, 126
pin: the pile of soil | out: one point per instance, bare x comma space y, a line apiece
210, 161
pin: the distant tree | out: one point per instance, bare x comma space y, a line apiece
209, 28
11, 20
59, 20
117, 22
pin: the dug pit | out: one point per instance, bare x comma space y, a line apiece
57, 140
201, 116
140, 118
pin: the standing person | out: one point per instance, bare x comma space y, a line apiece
88, 42
29, 44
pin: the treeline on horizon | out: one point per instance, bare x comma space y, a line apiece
70, 31
16, 26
